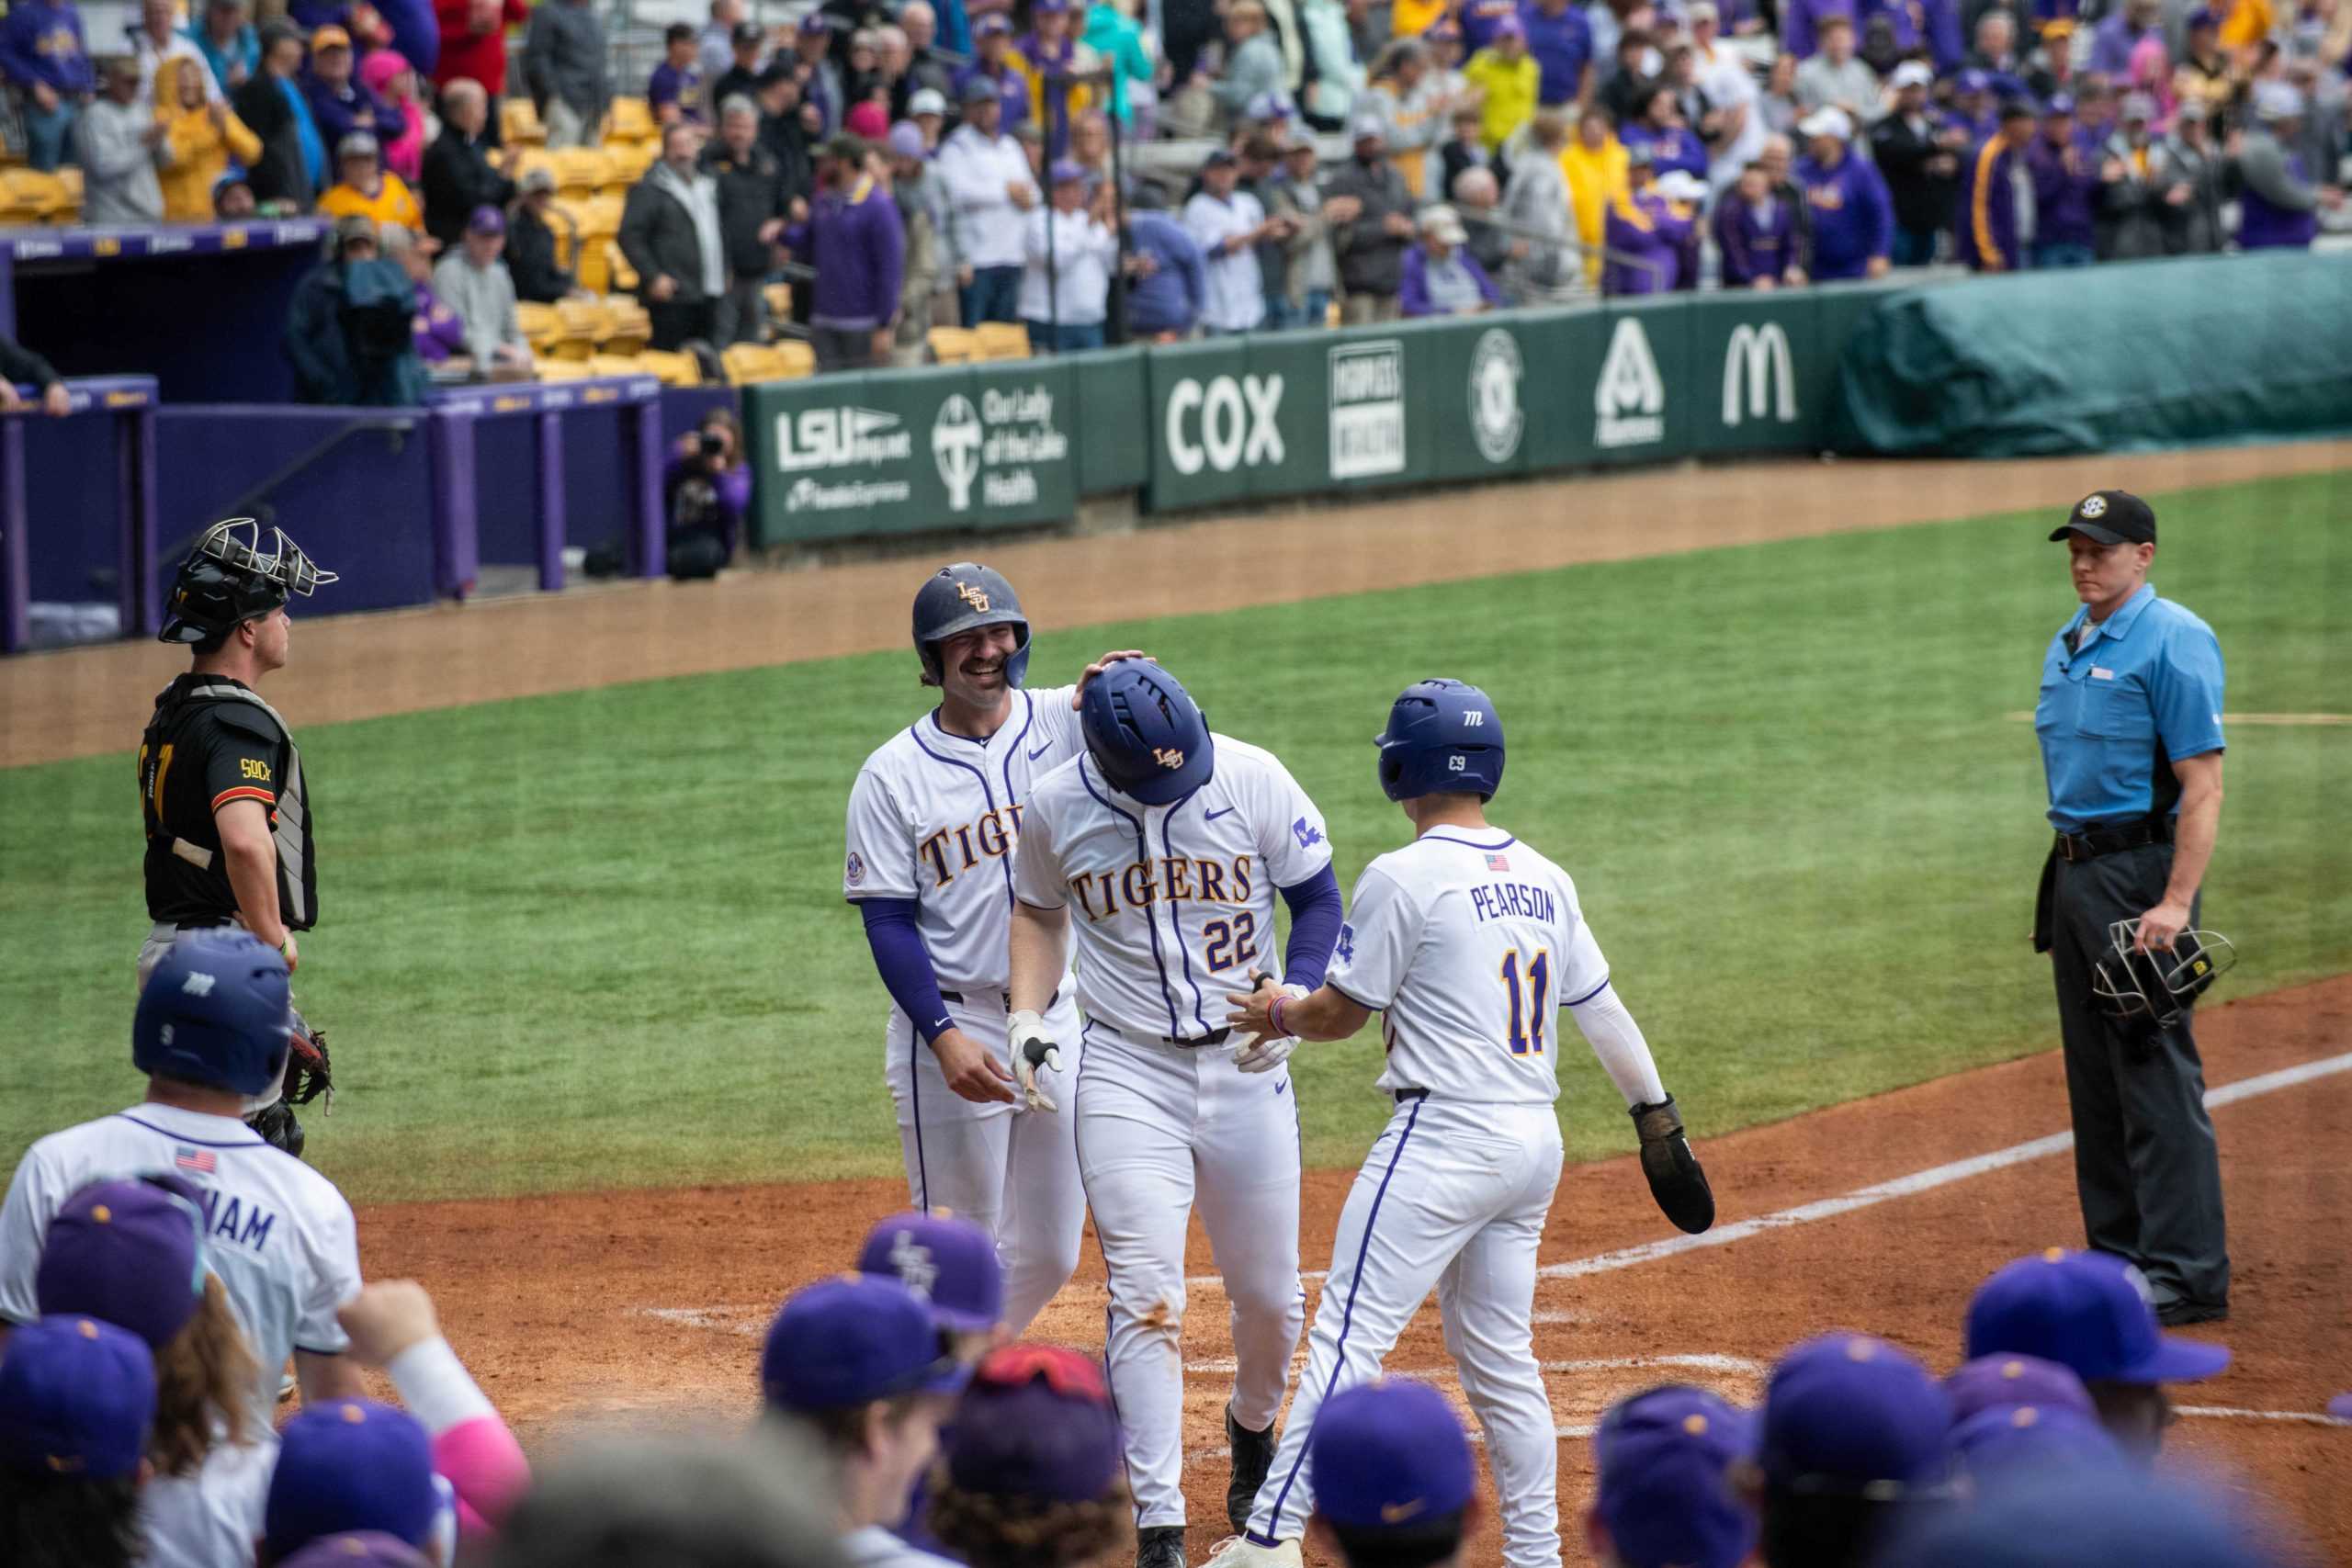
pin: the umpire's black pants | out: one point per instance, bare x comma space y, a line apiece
2145, 1163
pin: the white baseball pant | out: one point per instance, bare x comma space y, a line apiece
1161, 1128
1452, 1195
1011, 1172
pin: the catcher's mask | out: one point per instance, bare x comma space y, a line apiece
2146, 990
229, 578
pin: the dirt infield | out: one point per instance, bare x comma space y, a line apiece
89, 701
644, 1308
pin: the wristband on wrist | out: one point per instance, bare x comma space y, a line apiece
1274, 1015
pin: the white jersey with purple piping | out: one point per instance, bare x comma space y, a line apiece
935, 817
1172, 905
1468, 943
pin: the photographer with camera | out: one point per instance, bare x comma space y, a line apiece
705, 494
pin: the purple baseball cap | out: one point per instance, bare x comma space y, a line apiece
1390, 1454
1069, 171
948, 1262
2061, 104
1661, 1495
350, 1465
1990, 1380
2010, 1439
2087, 1312
129, 1252
993, 22
486, 220
358, 1549
853, 1339
1036, 1423
78, 1397
1852, 1413
816, 24
906, 140
1973, 81
1509, 26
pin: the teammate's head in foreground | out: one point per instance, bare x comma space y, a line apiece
1394, 1484
754, 1499
1146, 735
951, 1264
214, 1022
358, 1549
2012, 1378
230, 597
1443, 747
76, 1399
972, 638
2091, 1314
1032, 1476
859, 1362
345, 1465
1663, 1494
1856, 1442
2004, 1442
132, 1253
2073, 1518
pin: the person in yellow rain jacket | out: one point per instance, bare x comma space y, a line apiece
1594, 162
1508, 76
204, 136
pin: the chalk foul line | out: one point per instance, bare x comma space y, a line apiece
1916, 1183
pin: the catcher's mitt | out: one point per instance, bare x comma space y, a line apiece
308, 1072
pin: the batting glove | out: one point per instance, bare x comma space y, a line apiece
1266, 1052
1031, 1049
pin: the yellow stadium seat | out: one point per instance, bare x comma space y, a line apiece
779, 298
747, 363
626, 326
629, 120
70, 178
579, 169
521, 161
619, 277
1001, 340
629, 161
615, 364
675, 370
518, 122
26, 197
953, 345
541, 326
564, 369
583, 323
793, 359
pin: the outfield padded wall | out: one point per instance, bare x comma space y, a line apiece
2136, 354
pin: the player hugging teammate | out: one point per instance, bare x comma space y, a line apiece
1151, 850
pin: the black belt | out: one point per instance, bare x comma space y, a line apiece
957, 997
1215, 1037
2074, 846
1407, 1095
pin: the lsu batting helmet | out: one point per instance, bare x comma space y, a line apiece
1441, 736
216, 1010
229, 578
1145, 733
961, 598
2144, 991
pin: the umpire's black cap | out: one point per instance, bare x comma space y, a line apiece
2110, 517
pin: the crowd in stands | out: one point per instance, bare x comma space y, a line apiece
908, 164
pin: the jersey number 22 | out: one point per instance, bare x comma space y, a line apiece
1527, 1025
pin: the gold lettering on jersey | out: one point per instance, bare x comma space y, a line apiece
1169, 879
251, 769
951, 852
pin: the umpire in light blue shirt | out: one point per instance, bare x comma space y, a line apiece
2130, 722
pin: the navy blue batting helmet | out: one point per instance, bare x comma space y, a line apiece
1441, 736
961, 598
216, 1010
1145, 733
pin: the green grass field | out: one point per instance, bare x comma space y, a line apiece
596, 940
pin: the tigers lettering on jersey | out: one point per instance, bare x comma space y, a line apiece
1169, 879
951, 852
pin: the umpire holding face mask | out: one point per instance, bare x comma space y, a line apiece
2130, 722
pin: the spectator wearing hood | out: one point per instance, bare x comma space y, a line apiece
852, 237
1644, 233
1370, 245
1996, 220
291, 168
754, 206
1167, 276
2066, 191
463, 167
1509, 79
156, 39
350, 329
122, 145
2131, 197
204, 136
46, 61
1921, 163
1853, 217
2191, 171
385, 74
670, 235
1755, 229
2279, 200
340, 102
1595, 162
1439, 277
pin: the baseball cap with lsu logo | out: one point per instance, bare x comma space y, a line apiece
1663, 1456
2110, 517
78, 1397
1390, 1455
850, 1340
949, 1262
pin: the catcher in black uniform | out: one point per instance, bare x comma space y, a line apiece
220, 782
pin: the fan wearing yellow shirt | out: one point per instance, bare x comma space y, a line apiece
1509, 77
368, 188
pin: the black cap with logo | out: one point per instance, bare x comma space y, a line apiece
2111, 517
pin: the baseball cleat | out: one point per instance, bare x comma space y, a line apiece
1160, 1546
1243, 1553
1253, 1456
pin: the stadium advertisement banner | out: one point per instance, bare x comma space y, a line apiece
1216, 421
1763, 370
900, 452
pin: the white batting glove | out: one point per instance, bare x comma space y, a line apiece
1266, 1052
1031, 1049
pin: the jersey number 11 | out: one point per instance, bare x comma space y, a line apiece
1527, 1027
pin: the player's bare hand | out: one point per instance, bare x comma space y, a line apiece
1033, 1053
386, 1318
1252, 1011
969, 1070
1101, 664
2161, 924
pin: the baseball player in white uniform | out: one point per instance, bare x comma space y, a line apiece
1467, 941
212, 1034
934, 817
1163, 847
